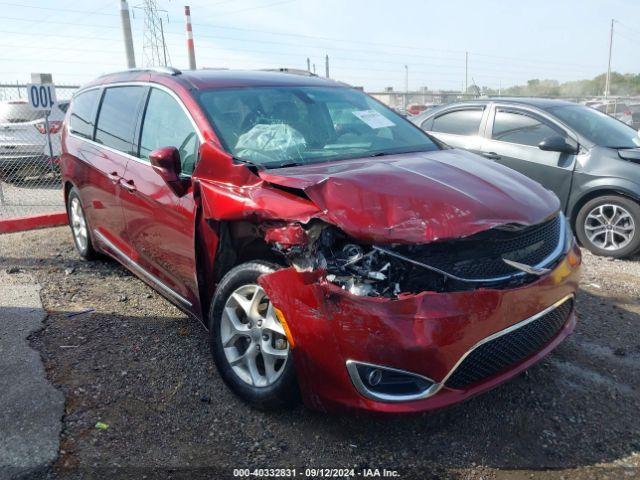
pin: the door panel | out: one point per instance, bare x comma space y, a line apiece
161, 225
513, 142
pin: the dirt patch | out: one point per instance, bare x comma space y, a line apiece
143, 369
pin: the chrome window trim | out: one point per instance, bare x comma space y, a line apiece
135, 266
134, 84
436, 387
554, 255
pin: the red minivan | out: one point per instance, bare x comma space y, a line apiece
334, 251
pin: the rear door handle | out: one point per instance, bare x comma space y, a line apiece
491, 155
128, 185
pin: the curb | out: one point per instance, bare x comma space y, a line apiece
33, 222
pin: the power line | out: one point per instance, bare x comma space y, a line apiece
313, 37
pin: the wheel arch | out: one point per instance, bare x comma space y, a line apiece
599, 192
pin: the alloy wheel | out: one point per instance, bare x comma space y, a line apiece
609, 227
78, 224
253, 339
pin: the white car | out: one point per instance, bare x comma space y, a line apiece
24, 150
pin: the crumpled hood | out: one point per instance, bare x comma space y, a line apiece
419, 197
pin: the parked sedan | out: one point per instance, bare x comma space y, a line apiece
332, 248
590, 160
24, 150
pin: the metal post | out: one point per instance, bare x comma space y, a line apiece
466, 72
607, 84
308, 64
406, 86
164, 45
326, 66
126, 33
190, 46
46, 126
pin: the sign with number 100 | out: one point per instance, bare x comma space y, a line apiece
41, 96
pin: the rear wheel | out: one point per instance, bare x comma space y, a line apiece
248, 342
79, 226
610, 226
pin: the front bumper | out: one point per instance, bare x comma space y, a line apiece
426, 334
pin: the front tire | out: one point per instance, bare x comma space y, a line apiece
248, 343
79, 226
609, 226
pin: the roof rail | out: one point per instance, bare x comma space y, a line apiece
167, 70
293, 71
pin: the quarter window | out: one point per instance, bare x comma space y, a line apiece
117, 117
167, 125
82, 118
459, 122
519, 128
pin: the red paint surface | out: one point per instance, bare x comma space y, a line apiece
425, 333
406, 198
419, 197
32, 222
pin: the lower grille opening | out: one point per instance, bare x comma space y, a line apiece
511, 348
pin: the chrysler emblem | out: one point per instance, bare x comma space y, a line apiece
527, 268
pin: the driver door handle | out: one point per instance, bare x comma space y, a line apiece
128, 185
491, 155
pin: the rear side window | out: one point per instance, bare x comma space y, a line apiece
82, 118
458, 122
167, 125
118, 116
519, 128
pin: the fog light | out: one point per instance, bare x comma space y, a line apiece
389, 384
374, 377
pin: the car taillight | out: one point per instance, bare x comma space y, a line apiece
54, 127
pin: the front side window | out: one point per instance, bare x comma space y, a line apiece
117, 117
276, 126
458, 122
520, 128
166, 125
82, 117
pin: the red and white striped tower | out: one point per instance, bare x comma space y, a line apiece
190, 48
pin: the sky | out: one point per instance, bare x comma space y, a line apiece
368, 42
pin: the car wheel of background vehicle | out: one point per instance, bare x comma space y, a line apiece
79, 226
248, 342
610, 226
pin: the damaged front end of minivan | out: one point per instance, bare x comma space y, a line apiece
401, 292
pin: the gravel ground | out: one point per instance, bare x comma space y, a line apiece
143, 369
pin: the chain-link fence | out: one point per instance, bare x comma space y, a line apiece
29, 152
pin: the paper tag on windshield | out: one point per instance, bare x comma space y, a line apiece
373, 119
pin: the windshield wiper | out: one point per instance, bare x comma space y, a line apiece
249, 163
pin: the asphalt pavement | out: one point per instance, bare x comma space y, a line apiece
30, 407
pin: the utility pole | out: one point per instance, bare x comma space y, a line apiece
466, 72
607, 85
308, 65
164, 44
190, 47
406, 86
326, 66
126, 33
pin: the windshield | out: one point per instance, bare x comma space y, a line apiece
276, 126
597, 127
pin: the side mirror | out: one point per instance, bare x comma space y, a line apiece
166, 163
557, 143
